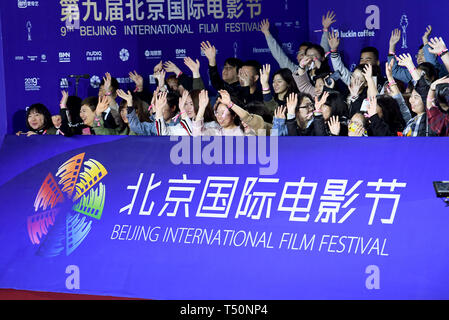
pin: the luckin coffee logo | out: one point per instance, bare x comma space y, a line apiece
67, 206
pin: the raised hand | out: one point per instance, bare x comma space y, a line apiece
65, 97
210, 52
372, 106
265, 76
225, 97
183, 100
194, 66
394, 39
126, 96
203, 101
355, 86
280, 112
151, 108
434, 84
244, 78
368, 72
334, 41
334, 125
137, 79
328, 20
389, 70
425, 37
171, 67
405, 60
102, 105
160, 102
306, 61
56, 120
265, 27
158, 68
437, 46
160, 76
320, 103
107, 82
431, 94
393, 88
292, 102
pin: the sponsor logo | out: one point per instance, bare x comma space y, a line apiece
32, 84
94, 55
181, 53
203, 54
288, 47
32, 58
22, 4
64, 83
152, 79
43, 58
124, 80
124, 54
64, 57
95, 82
261, 50
153, 54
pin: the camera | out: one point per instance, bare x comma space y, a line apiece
441, 188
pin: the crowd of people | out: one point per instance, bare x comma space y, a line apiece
315, 96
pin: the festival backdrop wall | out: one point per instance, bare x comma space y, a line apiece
46, 42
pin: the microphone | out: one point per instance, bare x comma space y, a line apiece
82, 76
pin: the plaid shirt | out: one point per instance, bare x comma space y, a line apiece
438, 121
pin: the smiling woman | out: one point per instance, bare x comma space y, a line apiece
38, 121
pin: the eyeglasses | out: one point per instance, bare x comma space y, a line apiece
307, 106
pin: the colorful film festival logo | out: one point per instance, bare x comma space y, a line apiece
65, 210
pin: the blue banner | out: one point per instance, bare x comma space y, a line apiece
225, 217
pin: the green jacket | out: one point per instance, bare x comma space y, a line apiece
100, 130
